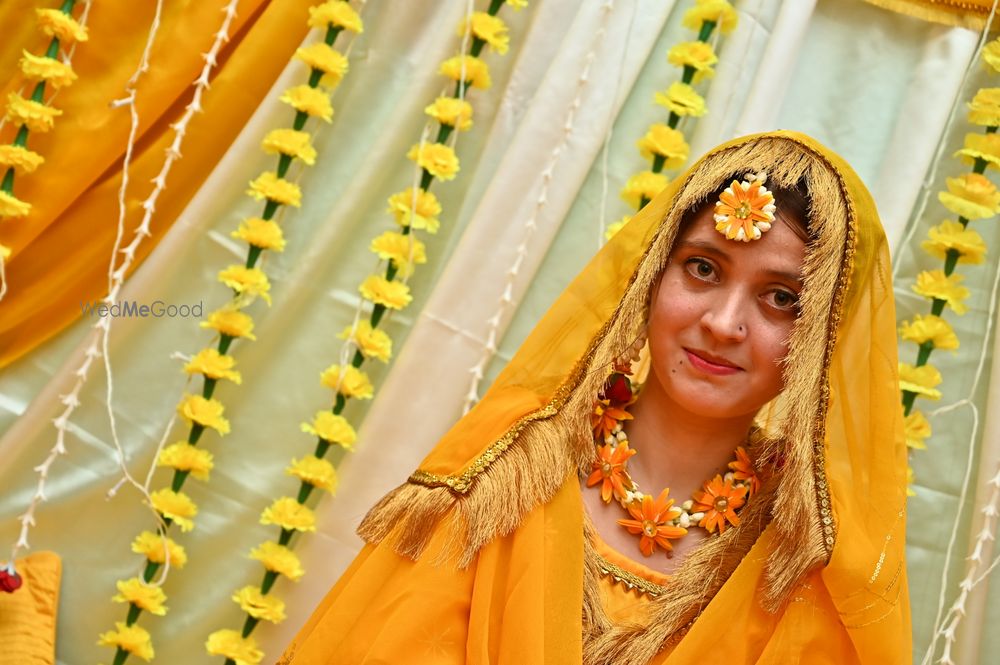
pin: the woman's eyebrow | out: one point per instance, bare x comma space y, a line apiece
713, 250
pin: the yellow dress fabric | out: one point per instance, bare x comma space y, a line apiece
621, 603
62, 248
28, 616
480, 556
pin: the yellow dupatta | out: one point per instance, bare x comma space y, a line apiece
480, 556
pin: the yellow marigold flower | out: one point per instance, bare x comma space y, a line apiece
951, 235
372, 342
311, 101
205, 412
490, 29
984, 109
921, 380
379, 290
437, 158
451, 111
11, 206
909, 481
644, 184
60, 25
935, 284
133, 639
930, 328
231, 322
260, 606
666, 142
263, 233
717, 11
917, 430
20, 158
323, 57
269, 186
315, 471
680, 98
151, 546
175, 506
290, 142
57, 73
142, 595
251, 281
214, 365
697, 54
517, 5
230, 644
476, 72
981, 146
615, 227
289, 514
278, 559
185, 457
991, 54
404, 251
350, 382
37, 116
972, 196
422, 215
335, 13
332, 428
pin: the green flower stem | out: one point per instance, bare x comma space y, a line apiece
495, 6
8, 181
688, 75
706, 30
658, 162
673, 120
477, 47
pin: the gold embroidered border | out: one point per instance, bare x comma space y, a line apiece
630, 580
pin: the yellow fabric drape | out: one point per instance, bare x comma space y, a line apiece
971, 14
61, 250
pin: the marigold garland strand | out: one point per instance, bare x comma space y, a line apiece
971, 196
33, 114
664, 144
414, 209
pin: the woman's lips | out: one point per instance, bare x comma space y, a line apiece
711, 364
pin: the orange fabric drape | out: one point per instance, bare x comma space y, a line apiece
61, 250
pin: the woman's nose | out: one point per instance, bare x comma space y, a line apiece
725, 318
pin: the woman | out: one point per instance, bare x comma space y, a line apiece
522, 537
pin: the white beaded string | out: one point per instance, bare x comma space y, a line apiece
530, 225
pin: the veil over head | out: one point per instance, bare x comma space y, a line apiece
817, 562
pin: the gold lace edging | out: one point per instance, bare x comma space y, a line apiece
630, 580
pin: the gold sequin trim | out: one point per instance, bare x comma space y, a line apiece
630, 580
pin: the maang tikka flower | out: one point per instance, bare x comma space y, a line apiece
745, 210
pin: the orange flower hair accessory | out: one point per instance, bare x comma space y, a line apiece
745, 210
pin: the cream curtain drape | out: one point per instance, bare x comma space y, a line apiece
553, 142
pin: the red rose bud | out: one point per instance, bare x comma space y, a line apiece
618, 389
9, 581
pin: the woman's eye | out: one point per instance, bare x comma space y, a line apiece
700, 268
785, 300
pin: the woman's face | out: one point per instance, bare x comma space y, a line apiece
721, 317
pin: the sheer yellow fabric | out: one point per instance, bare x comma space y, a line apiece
61, 250
971, 14
482, 554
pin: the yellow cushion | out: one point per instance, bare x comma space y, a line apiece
28, 615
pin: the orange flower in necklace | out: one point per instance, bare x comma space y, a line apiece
744, 470
745, 209
652, 523
719, 502
605, 417
609, 467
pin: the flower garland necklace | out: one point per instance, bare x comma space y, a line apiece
657, 521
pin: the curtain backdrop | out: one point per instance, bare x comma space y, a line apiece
884, 90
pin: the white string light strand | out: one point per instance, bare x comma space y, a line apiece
477, 371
